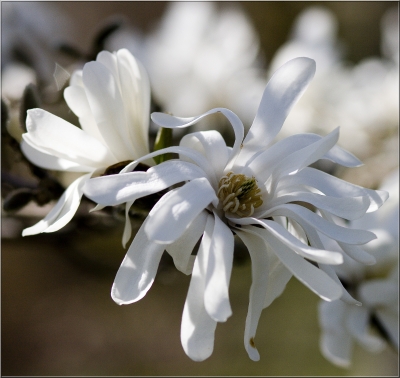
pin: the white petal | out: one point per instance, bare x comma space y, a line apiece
260, 275
198, 328
218, 273
281, 93
64, 140
173, 214
333, 186
315, 279
347, 208
135, 90
76, 99
300, 159
63, 211
181, 249
166, 120
279, 232
358, 253
212, 145
138, 269
105, 100
346, 297
304, 216
42, 159
337, 348
357, 324
184, 152
116, 189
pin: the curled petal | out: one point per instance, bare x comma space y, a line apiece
166, 120
63, 211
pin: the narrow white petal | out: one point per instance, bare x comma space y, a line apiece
281, 93
300, 159
172, 215
346, 297
181, 249
63, 211
347, 208
279, 232
198, 328
218, 273
333, 186
343, 234
64, 140
260, 276
315, 279
138, 269
116, 189
168, 121
358, 253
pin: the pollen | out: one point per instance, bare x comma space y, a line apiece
239, 194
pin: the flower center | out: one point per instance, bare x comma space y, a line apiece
239, 194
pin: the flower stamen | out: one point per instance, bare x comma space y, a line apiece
239, 194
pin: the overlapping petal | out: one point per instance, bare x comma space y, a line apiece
173, 214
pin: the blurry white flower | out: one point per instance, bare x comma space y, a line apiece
29, 32
111, 97
376, 286
363, 98
200, 55
314, 34
257, 190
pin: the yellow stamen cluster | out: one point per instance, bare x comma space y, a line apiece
239, 194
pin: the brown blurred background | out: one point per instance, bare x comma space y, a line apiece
57, 314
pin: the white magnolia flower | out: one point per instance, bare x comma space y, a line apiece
376, 286
111, 97
254, 190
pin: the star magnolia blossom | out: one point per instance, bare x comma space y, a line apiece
376, 286
111, 97
254, 190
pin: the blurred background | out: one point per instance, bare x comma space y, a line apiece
57, 314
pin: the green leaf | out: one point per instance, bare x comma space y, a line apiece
163, 140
